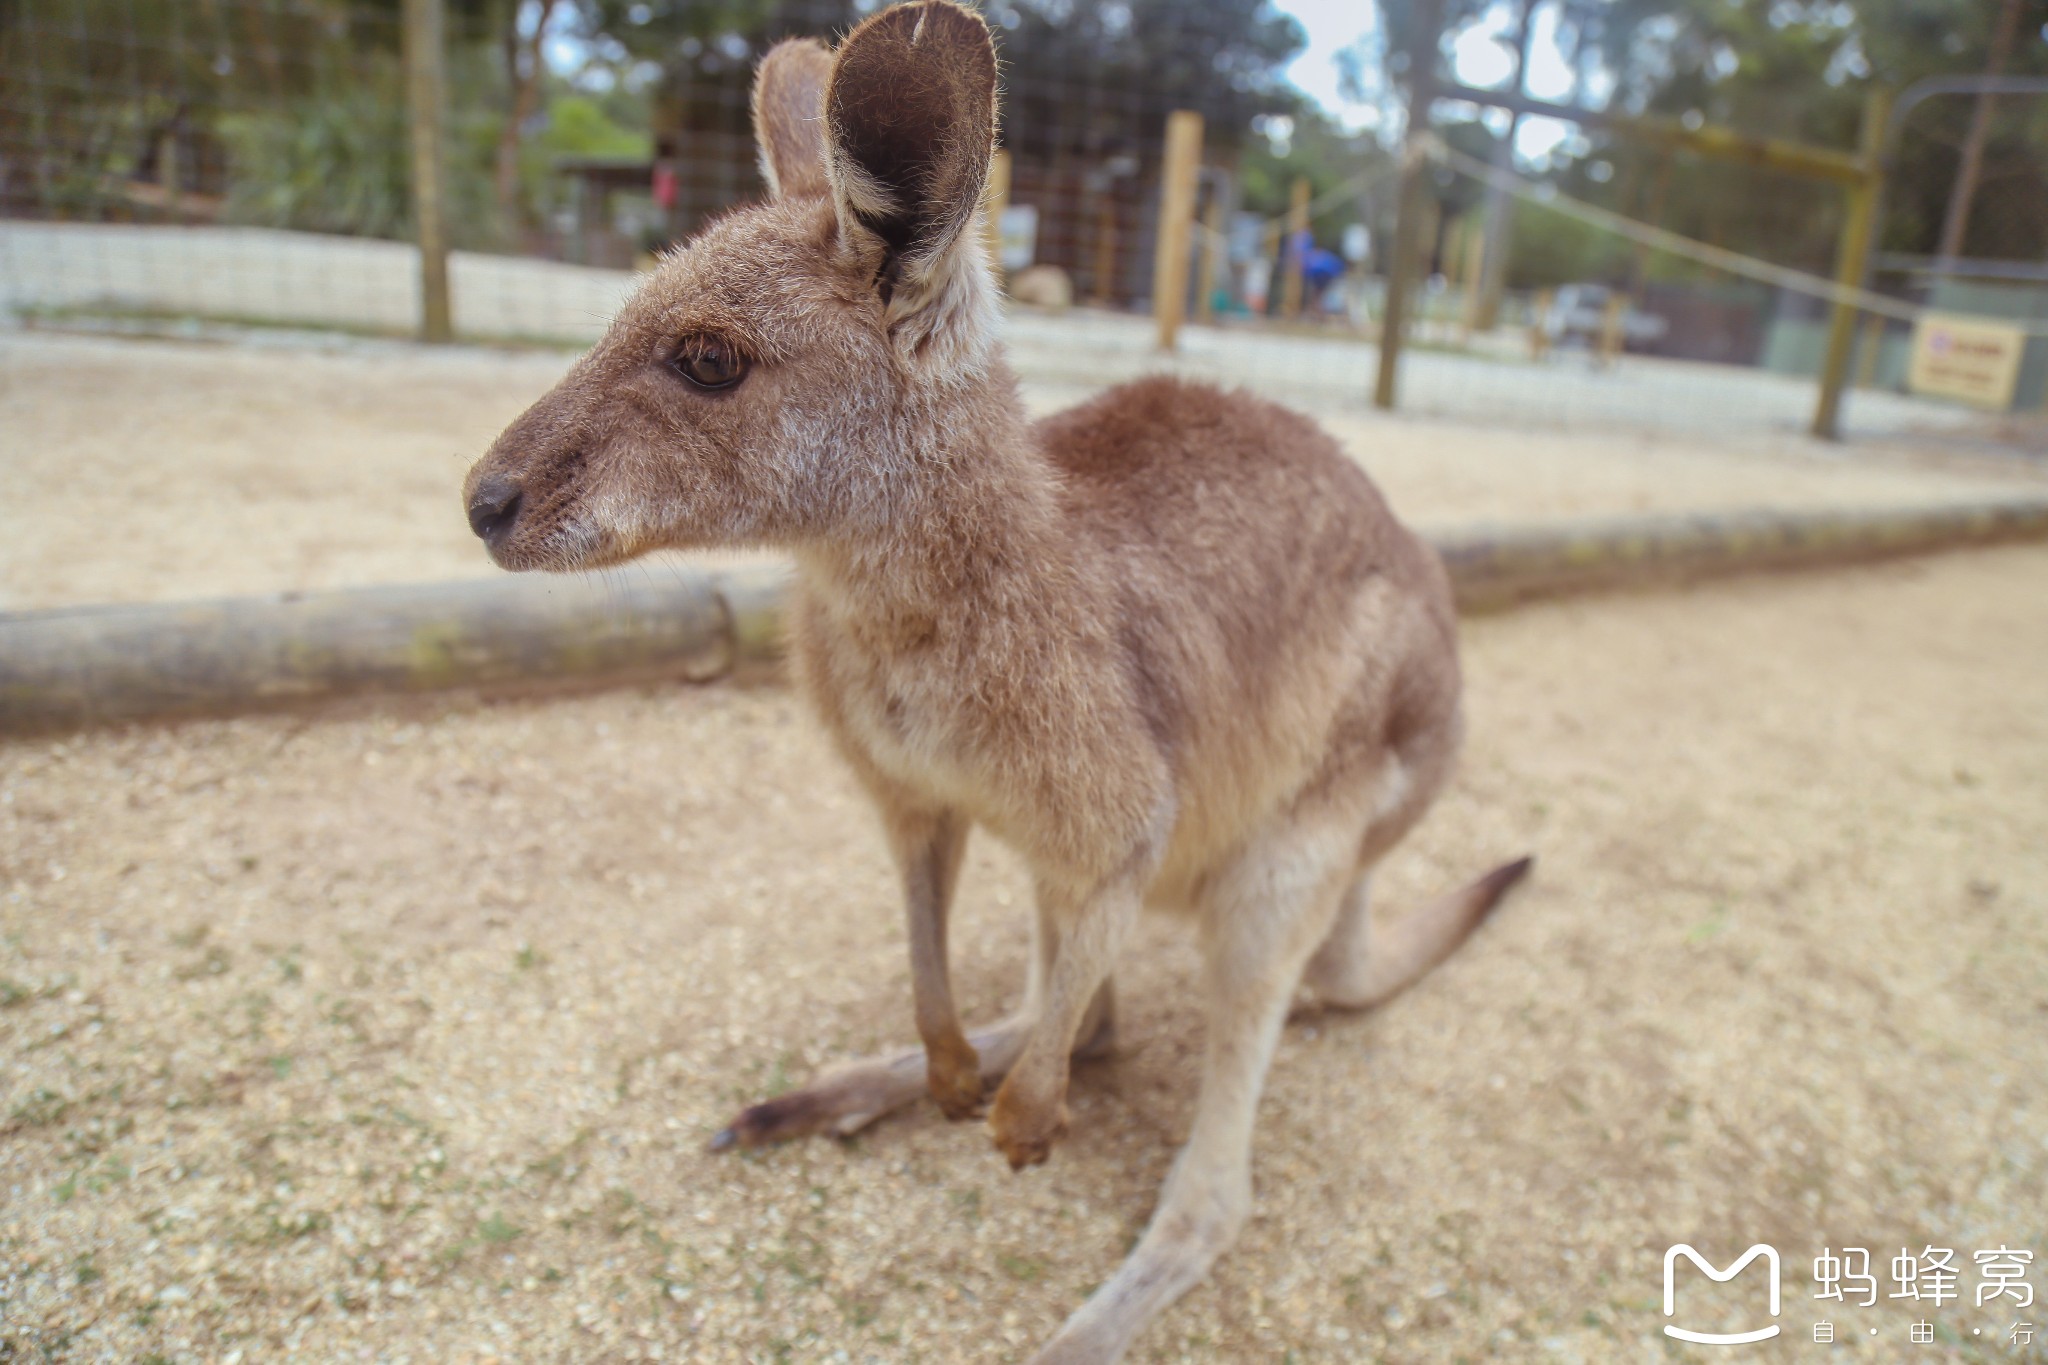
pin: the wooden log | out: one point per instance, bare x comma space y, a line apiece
93, 665
90, 665
1495, 569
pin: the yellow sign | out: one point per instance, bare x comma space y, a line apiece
1968, 358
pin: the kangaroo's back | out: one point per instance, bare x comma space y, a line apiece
1276, 612
1234, 493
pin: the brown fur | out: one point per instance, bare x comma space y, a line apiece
1171, 645
789, 89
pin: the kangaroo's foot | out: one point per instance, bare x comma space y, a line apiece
844, 1099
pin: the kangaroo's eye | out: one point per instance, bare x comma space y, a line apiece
709, 363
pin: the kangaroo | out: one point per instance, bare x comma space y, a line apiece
1170, 645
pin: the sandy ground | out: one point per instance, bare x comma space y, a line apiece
136, 470
399, 1036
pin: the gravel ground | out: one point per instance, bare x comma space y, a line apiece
398, 1036
140, 470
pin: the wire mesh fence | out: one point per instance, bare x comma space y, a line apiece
247, 162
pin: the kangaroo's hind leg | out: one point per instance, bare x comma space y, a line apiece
1262, 919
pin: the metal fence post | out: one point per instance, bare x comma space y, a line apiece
1851, 256
1177, 183
1422, 60
425, 36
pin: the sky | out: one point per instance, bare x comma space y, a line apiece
1481, 56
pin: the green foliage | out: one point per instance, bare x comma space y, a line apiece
339, 159
1329, 158
327, 163
1551, 249
1801, 69
497, 1231
1138, 60
578, 125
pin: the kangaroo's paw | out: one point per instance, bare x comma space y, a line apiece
1025, 1132
955, 1082
848, 1098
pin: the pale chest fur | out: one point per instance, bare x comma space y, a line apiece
900, 715
1012, 740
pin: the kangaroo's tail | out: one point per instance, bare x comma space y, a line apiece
1402, 953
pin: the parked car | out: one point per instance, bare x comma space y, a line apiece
1578, 312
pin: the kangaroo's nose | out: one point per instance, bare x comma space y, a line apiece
494, 508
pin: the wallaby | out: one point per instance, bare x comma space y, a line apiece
1170, 645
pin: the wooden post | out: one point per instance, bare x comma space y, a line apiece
1102, 283
172, 173
994, 199
1472, 306
1660, 189
1539, 338
1177, 183
1428, 238
1868, 353
1613, 332
1292, 258
425, 30
1209, 250
1269, 250
1428, 31
1498, 222
1852, 253
1956, 223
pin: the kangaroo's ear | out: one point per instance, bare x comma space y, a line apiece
910, 119
789, 117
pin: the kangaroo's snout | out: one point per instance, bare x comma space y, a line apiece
494, 507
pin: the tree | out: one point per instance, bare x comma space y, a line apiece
1800, 69
1957, 221
1796, 69
522, 30
1317, 150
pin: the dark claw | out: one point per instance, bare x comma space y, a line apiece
776, 1120
1034, 1155
958, 1112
